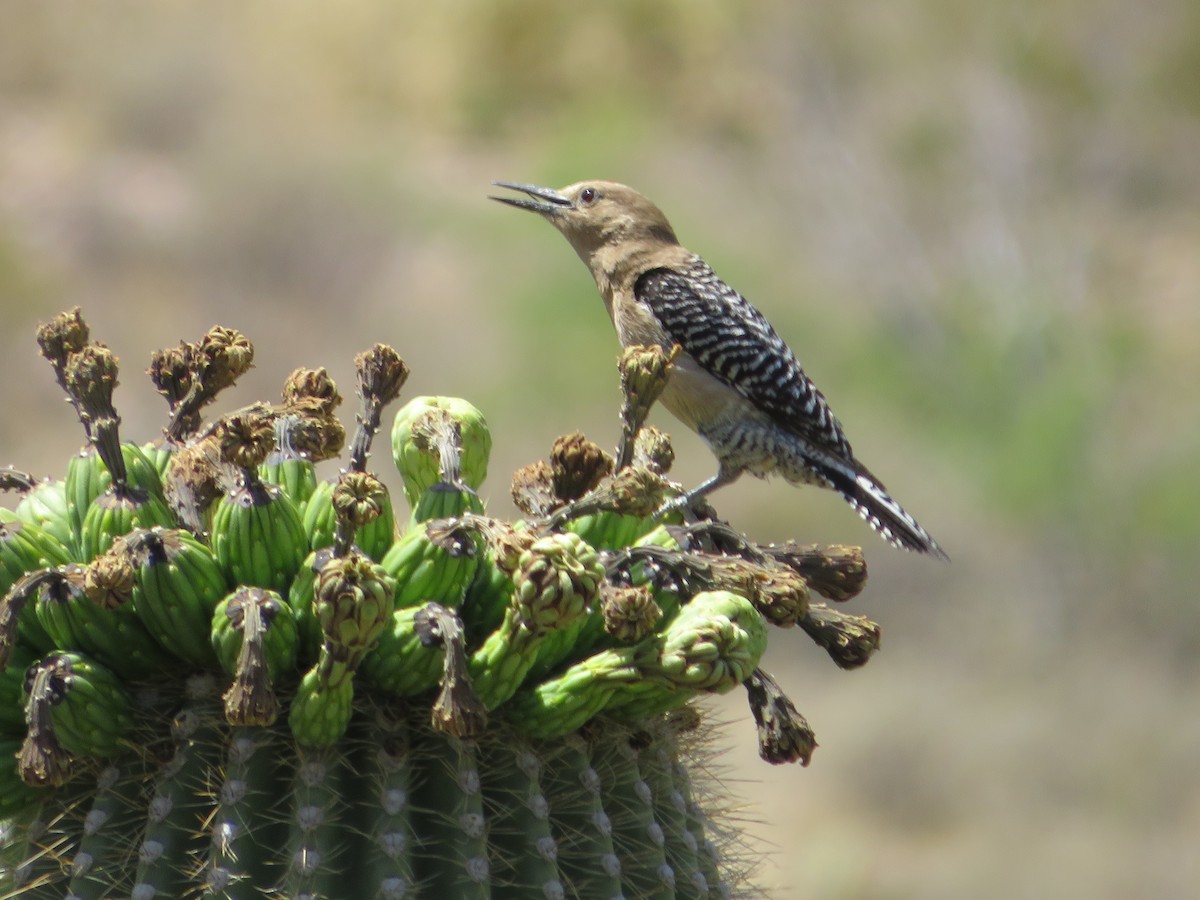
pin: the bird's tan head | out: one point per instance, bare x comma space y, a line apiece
595, 215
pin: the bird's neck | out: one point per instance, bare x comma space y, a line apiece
615, 268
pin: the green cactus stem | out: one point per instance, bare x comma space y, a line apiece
713, 644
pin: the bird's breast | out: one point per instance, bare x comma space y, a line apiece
700, 400
692, 395
636, 325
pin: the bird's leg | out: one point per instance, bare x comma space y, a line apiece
725, 475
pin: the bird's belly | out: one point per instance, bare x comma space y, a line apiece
694, 396
698, 399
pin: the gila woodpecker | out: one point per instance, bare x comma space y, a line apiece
736, 383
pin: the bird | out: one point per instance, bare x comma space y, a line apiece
735, 382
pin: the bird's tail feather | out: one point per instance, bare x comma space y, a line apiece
870, 499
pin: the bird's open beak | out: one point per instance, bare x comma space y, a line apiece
543, 200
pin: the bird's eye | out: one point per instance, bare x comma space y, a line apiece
587, 196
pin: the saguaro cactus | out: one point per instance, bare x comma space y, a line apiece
221, 678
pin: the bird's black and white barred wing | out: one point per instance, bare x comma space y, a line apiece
733, 341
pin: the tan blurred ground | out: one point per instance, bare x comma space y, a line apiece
979, 226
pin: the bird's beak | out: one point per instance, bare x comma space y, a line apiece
543, 200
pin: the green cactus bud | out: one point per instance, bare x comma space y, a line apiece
430, 434
286, 466
178, 583
301, 598
610, 530
488, 596
375, 537
24, 548
258, 536
712, 645
115, 513
433, 560
404, 663
161, 454
276, 625
445, 501
556, 581
88, 608
82, 702
355, 599
255, 638
46, 506
296, 475
88, 478
354, 602
321, 709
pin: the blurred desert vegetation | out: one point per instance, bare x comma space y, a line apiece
978, 224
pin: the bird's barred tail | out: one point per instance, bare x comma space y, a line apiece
869, 498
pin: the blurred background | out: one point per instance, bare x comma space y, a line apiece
977, 224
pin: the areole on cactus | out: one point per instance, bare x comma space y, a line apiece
221, 677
